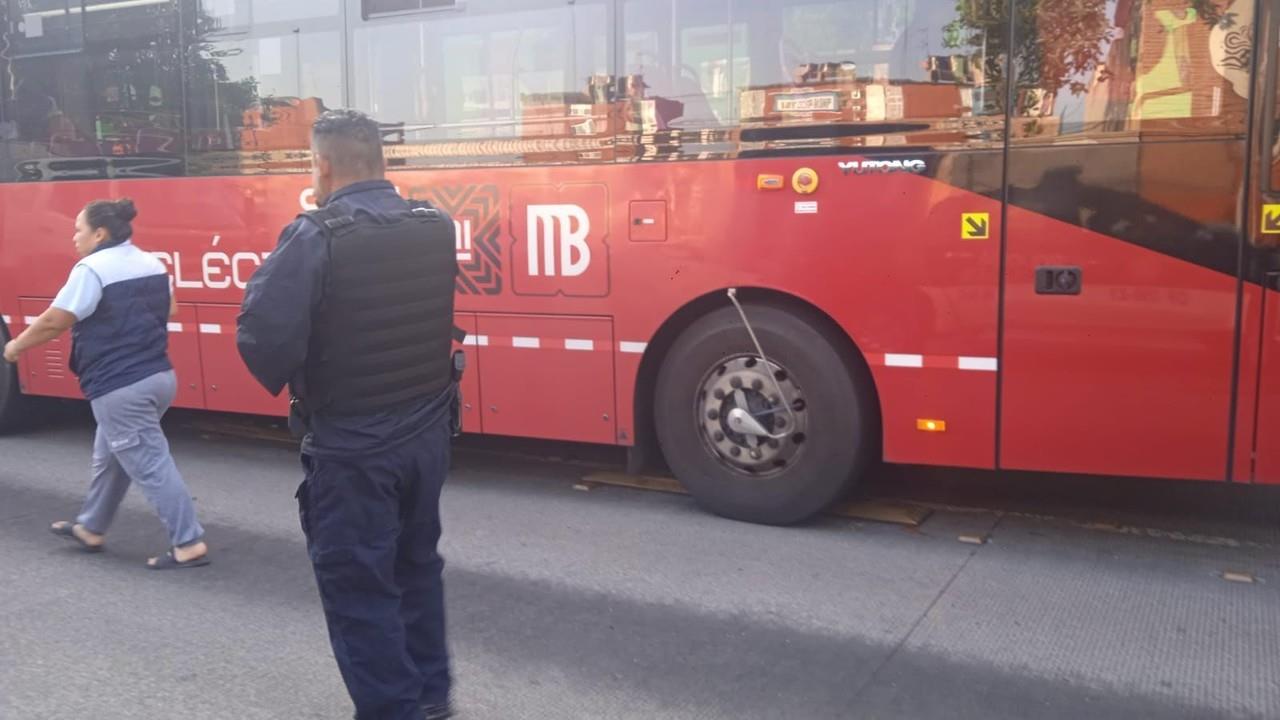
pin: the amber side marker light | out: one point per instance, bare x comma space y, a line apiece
769, 182
933, 426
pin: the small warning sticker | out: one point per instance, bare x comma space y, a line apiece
975, 226
807, 208
1271, 219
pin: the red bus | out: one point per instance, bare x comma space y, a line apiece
999, 234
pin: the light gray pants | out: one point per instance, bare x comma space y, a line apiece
130, 446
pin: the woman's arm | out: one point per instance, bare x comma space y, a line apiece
52, 323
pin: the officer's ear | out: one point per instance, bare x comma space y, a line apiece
324, 166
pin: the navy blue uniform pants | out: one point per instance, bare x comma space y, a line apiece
372, 526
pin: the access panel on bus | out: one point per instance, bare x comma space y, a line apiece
1127, 162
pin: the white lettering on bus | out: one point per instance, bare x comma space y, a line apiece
211, 270
562, 226
862, 167
462, 239
237, 261
218, 270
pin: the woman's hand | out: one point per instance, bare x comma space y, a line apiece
52, 323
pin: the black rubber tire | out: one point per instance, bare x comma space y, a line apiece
12, 402
840, 412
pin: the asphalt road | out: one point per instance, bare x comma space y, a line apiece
614, 603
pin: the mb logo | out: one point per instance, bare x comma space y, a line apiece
560, 236
558, 241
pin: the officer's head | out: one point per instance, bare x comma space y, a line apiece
103, 224
346, 148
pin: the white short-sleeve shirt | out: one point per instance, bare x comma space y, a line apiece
83, 290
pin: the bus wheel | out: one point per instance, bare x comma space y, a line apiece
11, 399
774, 442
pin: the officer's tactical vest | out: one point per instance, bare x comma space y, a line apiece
383, 334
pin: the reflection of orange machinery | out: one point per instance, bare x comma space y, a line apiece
854, 102
563, 115
574, 122
610, 106
830, 72
280, 124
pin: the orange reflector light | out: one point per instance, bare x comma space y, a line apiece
924, 425
805, 181
770, 182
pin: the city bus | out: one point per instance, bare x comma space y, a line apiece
766, 244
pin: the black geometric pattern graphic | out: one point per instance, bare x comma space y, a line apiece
481, 263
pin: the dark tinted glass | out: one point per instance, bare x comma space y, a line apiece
93, 90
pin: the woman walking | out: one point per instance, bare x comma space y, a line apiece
117, 302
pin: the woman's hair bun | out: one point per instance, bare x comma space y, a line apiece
125, 210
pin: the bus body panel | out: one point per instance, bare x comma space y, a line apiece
874, 178
872, 233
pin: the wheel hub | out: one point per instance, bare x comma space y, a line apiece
744, 422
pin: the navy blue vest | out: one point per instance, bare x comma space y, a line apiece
126, 339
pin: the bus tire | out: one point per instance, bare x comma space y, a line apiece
827, 437
12, 410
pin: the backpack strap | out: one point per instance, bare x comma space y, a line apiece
330, 219
424, 210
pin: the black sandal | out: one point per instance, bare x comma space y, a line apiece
169, 562
67, 530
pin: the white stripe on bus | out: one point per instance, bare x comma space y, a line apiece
903, 361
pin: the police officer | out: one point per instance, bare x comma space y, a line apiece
354, 312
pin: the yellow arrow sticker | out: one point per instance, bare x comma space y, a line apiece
975, 226
1271, 219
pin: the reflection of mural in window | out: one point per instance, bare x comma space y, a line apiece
1163, 91
1129, 66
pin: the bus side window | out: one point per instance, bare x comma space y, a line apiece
875, 62
90, 88
490, 82
678, 64
258, 74
776, 68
